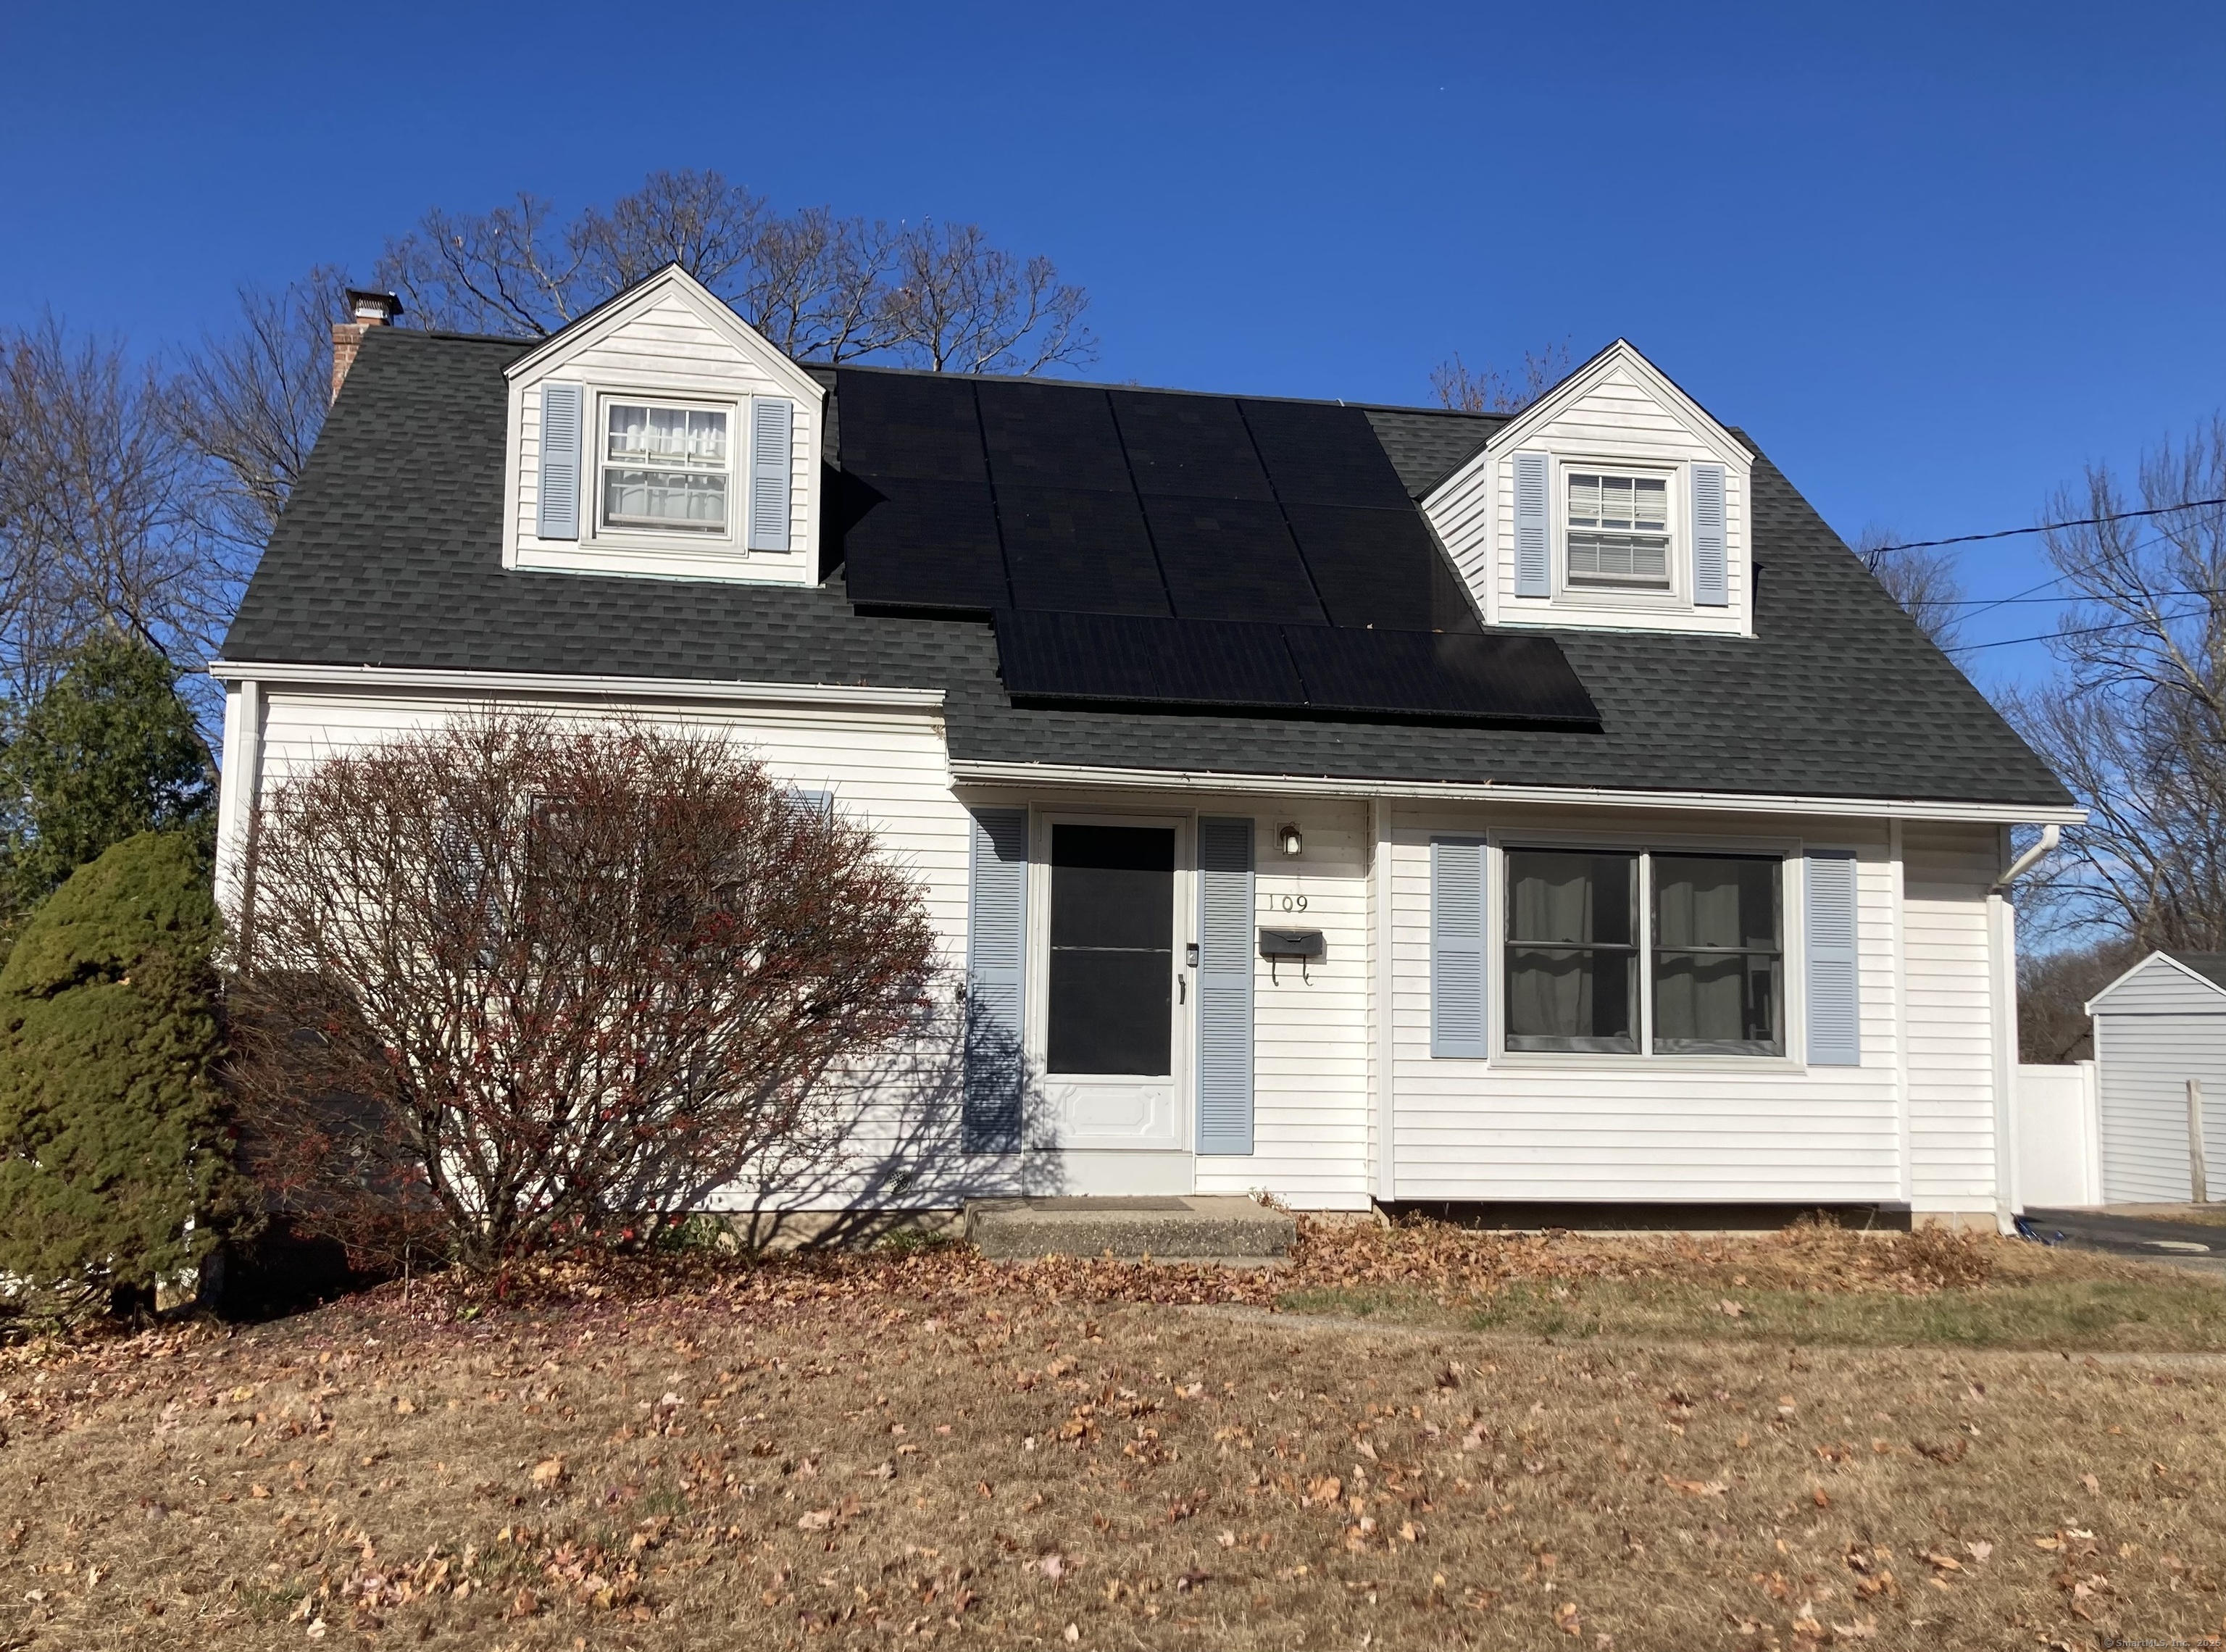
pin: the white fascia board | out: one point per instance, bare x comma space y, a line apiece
2195, 976
1046, 774
480, 683
615, 314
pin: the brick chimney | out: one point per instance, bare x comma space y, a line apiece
369, 309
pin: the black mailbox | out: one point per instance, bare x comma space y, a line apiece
1276, 944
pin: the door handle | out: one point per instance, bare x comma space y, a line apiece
1182, 993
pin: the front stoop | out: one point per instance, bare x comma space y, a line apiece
1234, 1231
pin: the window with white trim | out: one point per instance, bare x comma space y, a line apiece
665, 468
1618, 530
1707, 974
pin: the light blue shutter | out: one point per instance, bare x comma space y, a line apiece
771, 428
996, 981
1829, 916
1712, 586
559, 496
1534, 562
1224, 985
813, 806
1456, 941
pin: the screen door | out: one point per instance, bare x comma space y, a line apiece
1112, 983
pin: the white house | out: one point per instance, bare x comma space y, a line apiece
1360, 804
2160, 1079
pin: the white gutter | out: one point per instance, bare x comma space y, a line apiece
2044, 845
983, 773
477, 683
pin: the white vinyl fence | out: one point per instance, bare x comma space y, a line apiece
2059, 1135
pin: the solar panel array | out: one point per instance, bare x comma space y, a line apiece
1125, 659
1234, 525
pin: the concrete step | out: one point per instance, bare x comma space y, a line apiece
1174, 1228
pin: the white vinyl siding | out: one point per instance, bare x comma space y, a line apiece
666, 348
2155, 1029
1624, 420
1946, 941
1666, 1128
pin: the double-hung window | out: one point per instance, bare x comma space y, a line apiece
665, 468
1618, 530
1718, 955
1572, 951
1708, 975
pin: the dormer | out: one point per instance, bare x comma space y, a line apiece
1613, 502
661, 435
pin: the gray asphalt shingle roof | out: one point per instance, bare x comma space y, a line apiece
390, 554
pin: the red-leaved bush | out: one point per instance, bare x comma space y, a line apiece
514, 983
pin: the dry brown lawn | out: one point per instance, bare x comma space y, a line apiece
888, 1451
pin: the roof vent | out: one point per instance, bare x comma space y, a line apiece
366, 309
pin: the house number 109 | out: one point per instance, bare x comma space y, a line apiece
1283, 902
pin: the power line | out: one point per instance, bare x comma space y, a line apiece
2050, 527
2027, 596
2083, 631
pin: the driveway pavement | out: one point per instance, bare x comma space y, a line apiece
2196, 1245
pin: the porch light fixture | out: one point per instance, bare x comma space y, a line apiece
1287, 839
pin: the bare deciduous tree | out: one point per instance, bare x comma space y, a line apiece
556, 982
821, 287
2136, 719
252, 402
1921, 578
1498, 390
102, 519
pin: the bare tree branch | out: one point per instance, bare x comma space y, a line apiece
1921, 579
2135, 720
1498, 389
102, 517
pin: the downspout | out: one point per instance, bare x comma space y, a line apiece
2003, 927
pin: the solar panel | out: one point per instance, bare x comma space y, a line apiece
1320, 454
1051, 436
1087, 552
1193, 445
1119, 657
1230, 559
909, 425
1502, 677
1371, 567
924, 544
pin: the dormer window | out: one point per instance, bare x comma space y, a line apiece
1618, 530
665, 468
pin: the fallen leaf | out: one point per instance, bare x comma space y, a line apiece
819, 1519
1052, 1566
1071, 1634
1696, 1488
1979, 1551
1731, 1309
258, 1491
2094, 1486
1567, 1617
551, 1472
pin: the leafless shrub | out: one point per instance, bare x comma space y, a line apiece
2134, 720
1498, 390
555, 982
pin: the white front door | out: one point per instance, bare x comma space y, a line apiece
1114, 989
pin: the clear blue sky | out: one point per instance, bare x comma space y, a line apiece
1933, 258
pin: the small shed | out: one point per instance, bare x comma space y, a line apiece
2161, 1062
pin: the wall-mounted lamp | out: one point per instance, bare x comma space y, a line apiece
1287, 839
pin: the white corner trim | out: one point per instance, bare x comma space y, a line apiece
1292, 785
856, 696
